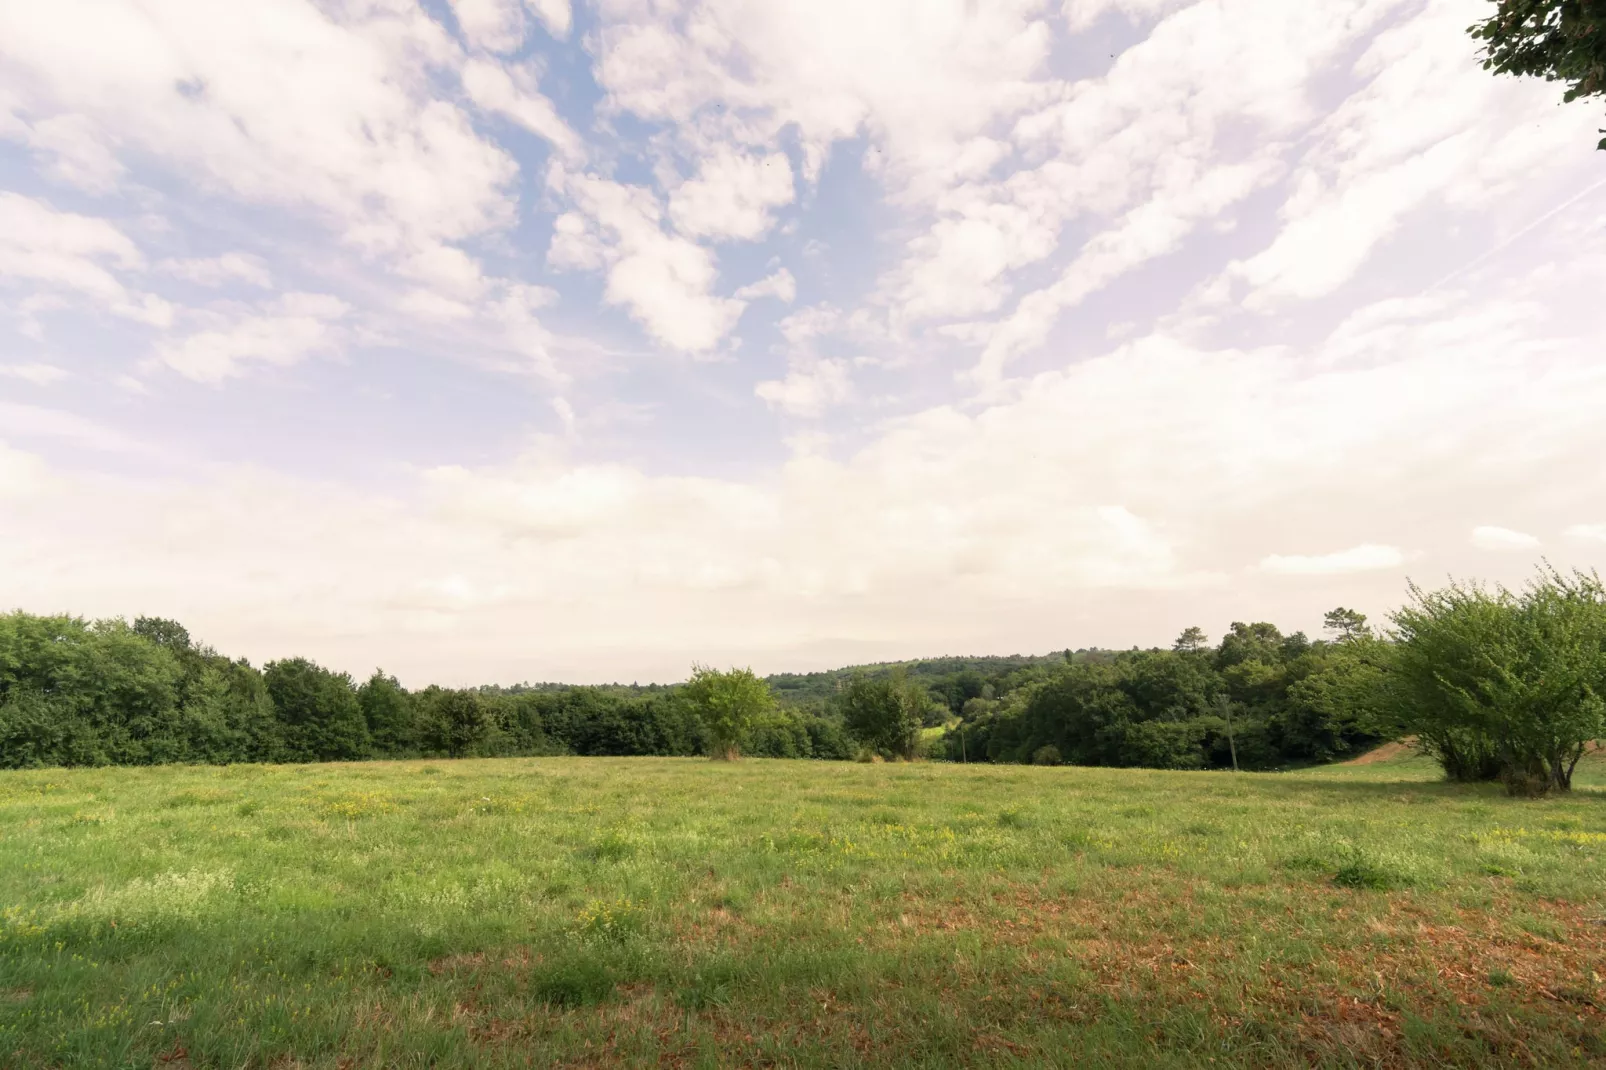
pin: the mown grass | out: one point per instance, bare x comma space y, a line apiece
661, 911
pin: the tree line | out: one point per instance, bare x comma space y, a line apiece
77, 692
1495, 684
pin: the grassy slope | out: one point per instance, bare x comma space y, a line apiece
620, 911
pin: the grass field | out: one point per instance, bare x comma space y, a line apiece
565, 911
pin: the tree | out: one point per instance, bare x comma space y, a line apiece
1505, 684
1346, 625
1343, 705
163, 632
884, 713
1557, 40
387, 710
1191, 641
454, 721
322, 719
1439, 635
1260, 641
727, 703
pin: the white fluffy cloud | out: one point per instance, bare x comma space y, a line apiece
778, 284
288, 103
1488, 537
732, 195
810, 387
921, 75
74, 153
1427, 125
497, 25
1363, 558
67, 251
665, 281
513, 93
288, 330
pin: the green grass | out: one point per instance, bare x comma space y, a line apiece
538, 912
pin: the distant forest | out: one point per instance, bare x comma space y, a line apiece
78, 692
1492, 683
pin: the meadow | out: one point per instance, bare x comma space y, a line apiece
661, 911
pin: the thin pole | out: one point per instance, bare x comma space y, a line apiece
1226, 710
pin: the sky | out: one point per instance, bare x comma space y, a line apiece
500, 340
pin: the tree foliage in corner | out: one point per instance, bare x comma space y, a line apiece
728, 704
1557, 40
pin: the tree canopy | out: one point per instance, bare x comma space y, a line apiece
1557, 40
727, 703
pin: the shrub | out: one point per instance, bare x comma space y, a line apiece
1048, 754
1505, 684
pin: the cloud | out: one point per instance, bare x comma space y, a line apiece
1116, 485
75, 154
36, 422
554, 14
221, 270
1363, 558
779, 284
37, 374
732, 195
956, 268
1426, 126
921, 77
1586, 532
810, 386
513, 93
1153, 229
1188, 246
447, 269
67, 251
663, 280
286, 331
495, 25
1493, 538
327, 109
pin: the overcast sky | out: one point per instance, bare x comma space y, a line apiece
496, 340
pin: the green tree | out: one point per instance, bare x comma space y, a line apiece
1260, 641
885, 713
163, 632
727, 703
453, 721
322, 719
1345, 625
387, 710
1557, 40
1342, 705
1440, 639
1504, 683
1191, 641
